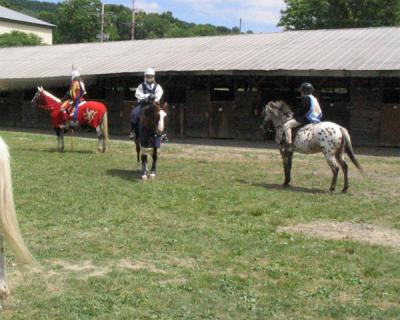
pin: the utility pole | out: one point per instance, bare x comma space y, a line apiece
102, 23
133, 21
240, 26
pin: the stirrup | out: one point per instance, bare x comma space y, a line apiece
132, 135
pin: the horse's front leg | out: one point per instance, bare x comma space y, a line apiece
153, 169
4, 292
137, 144
100, 140
144, 166
60, 139
287, 166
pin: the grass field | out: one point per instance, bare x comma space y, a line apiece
200, 241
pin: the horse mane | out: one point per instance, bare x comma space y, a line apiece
284, 107
51, 96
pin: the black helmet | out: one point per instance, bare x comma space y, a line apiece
306, 88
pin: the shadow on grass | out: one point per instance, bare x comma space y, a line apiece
131, 175
275, 186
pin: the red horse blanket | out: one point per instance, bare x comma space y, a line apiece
91, 113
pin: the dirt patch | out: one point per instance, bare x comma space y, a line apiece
183, 262
332, 230
139, 265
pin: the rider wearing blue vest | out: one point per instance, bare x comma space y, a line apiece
309, 111
147, 92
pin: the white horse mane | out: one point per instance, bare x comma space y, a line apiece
51, 96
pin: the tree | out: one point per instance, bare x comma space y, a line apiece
78, 21
19, 39
328, 14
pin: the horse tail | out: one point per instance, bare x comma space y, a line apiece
105, 126
348, 147
9, 226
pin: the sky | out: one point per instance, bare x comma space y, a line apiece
257, 15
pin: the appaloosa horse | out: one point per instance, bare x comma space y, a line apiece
326, 137
9, 228
148, 141
90, 113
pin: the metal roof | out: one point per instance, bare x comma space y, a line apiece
339, 52
8, 14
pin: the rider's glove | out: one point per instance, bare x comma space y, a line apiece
151, 97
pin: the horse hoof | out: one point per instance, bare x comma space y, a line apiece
4, 292
144, 177
152, 175
345, 190
285, 185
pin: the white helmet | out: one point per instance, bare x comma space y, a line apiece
74, 74
149, 72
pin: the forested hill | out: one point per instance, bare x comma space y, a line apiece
33, 6
79, 21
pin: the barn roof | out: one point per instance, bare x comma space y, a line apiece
337, 52
15, 16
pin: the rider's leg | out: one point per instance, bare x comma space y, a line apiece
134, 120
287, 128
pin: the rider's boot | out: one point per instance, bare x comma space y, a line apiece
132, 134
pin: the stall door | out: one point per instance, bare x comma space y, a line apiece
220, 122
390, 124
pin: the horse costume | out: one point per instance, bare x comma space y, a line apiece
326, 137
9, 227
148, 141
89, 113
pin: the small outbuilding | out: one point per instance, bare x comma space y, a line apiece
11, 20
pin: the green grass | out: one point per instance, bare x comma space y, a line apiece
199, 242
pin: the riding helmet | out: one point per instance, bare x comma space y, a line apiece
306, 88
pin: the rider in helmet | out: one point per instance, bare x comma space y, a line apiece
147, 92
74, 95
309, 111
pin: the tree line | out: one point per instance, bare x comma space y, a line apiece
80, 20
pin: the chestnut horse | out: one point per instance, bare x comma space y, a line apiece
90, 113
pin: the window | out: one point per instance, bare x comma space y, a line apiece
175, 94
335, 90
198, 83
222, 89
391, 90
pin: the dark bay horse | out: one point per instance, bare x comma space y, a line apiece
90, 113
151, 127
326, 137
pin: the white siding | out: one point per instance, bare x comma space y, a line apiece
46, 34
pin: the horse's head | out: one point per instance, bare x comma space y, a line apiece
277, 112
153, 117
45, 100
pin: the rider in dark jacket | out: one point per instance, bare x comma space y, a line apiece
148, 91
309, 111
